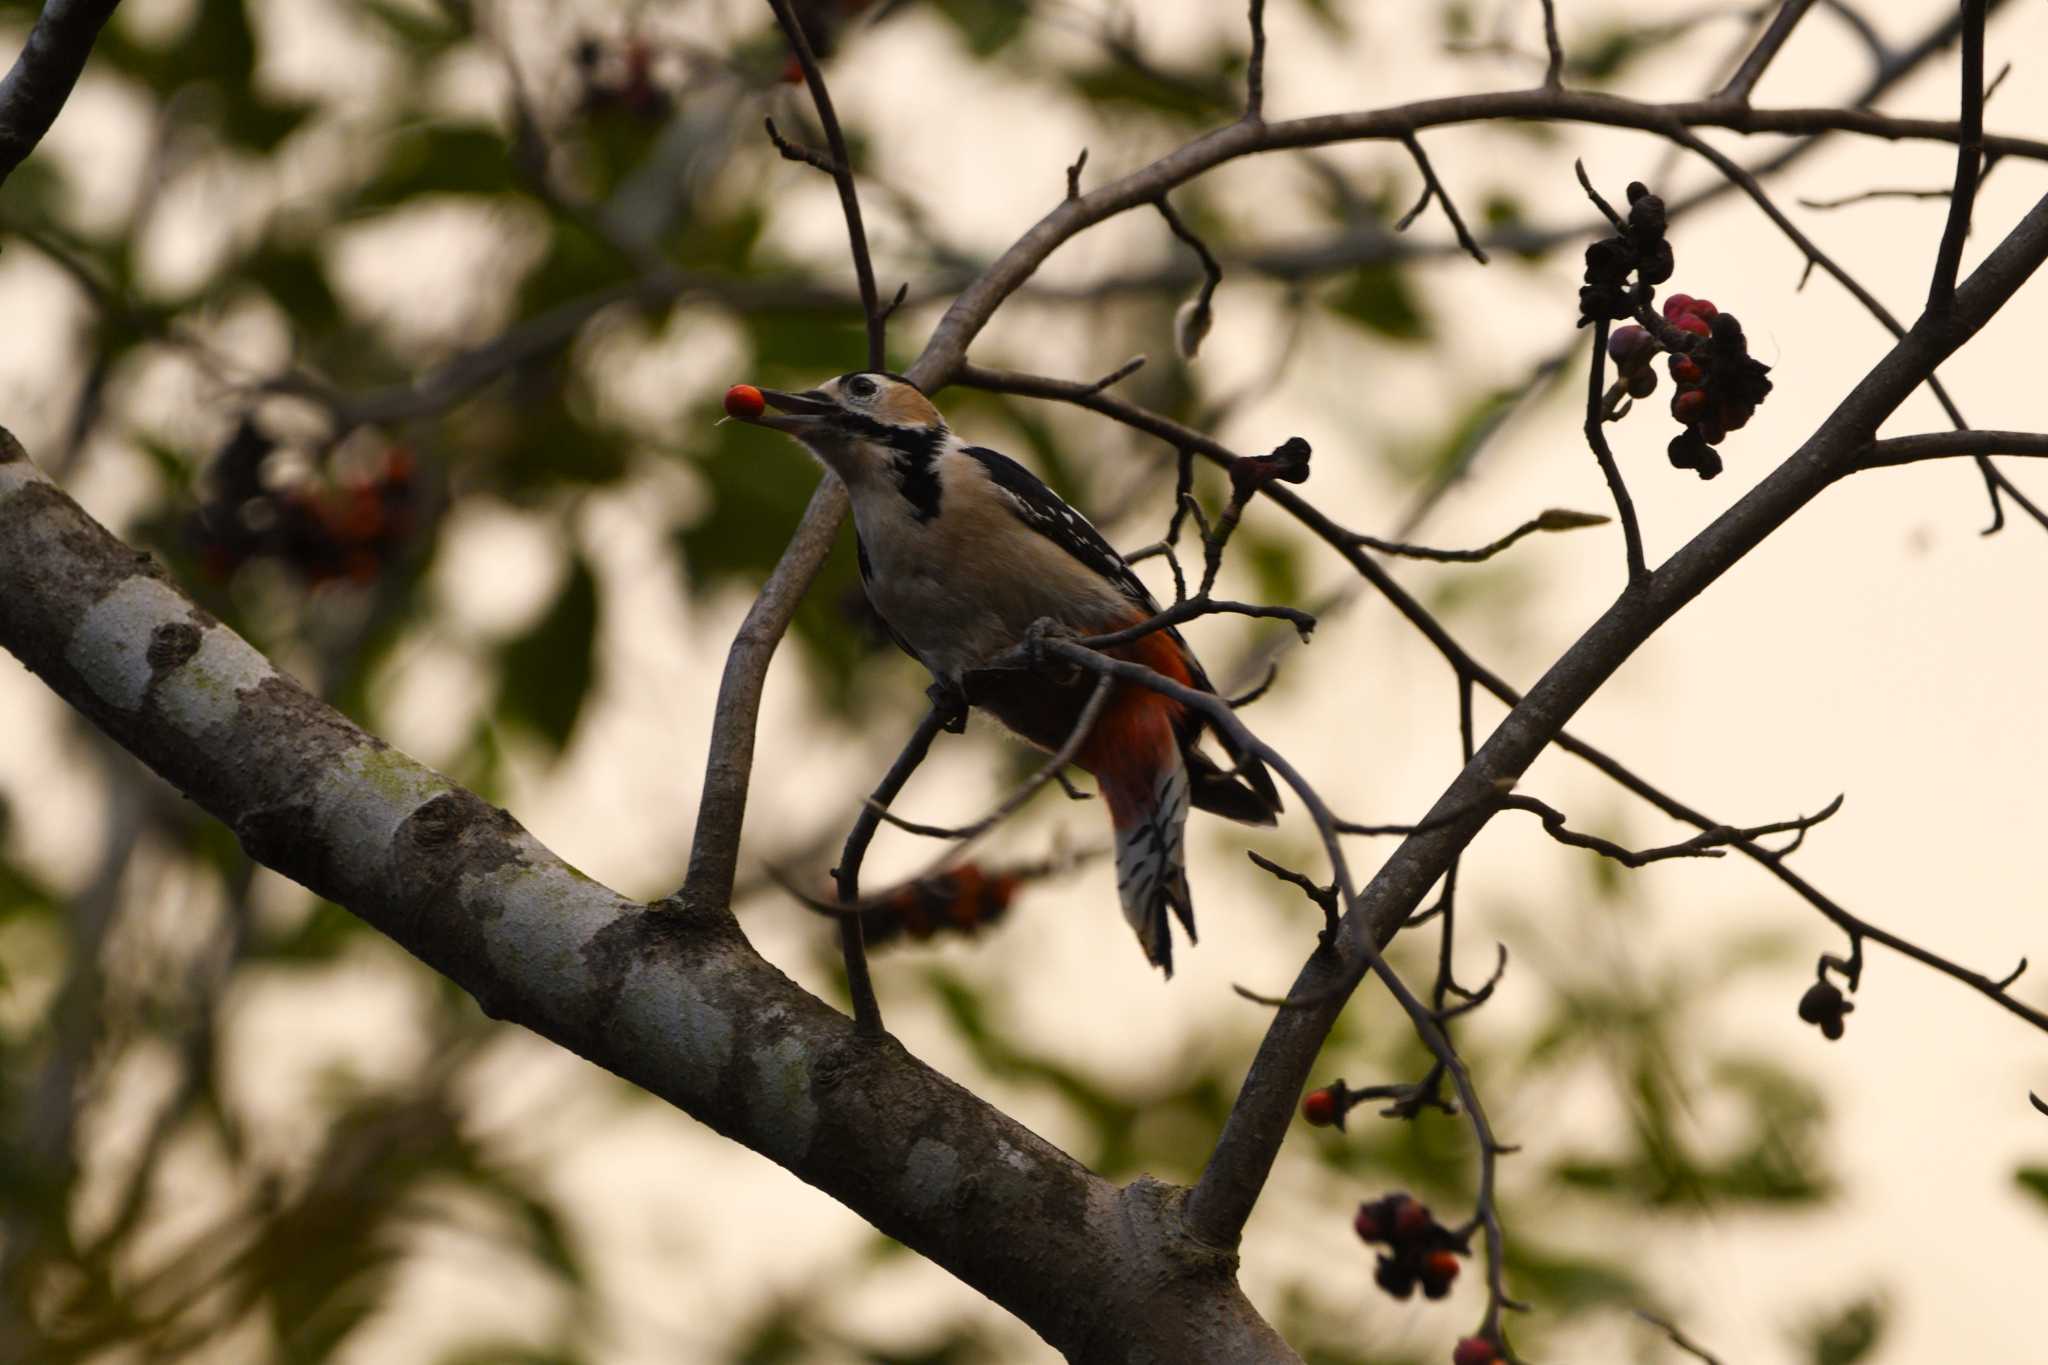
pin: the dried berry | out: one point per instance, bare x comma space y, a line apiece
1319, 1107
1475, 1351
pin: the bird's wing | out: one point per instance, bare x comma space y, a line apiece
1045, 512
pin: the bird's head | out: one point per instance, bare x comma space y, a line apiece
861, 425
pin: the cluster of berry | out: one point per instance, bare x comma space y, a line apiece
1477, 1351
350, 530
1719, 383
961, 901
1639, 250
1420, 1250
621, 79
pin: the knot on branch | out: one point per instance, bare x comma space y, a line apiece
1288, 463
1638, 249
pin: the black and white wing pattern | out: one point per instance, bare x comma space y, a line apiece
1045, 512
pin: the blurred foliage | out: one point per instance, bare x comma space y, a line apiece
621, 177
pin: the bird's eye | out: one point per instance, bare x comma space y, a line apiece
860, 386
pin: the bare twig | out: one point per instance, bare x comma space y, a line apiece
1676, 1337
1766, 50
1596, 437
841, 169
1898, 450
1552, 519
1255, 66
1047, 772
1432, 188
1708, 843
860, 987
1948, 258
1194, 321
1553, 71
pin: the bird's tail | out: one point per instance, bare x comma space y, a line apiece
1146, 788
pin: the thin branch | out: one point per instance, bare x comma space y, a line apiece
1898, 450
1432, 188
1708, 843
1553, 71
1344, 542
1676, 1337
1969, 163
1193, 323
1255, 66
1866, 196
1552, 519
1766, 50
1198, 606
1596, 437
796, 151
35, 88
1074, 175
841, 169
1047, 772
860, 987
729, 766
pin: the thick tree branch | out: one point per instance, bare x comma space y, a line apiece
669, 997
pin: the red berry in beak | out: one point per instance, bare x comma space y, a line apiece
745, 402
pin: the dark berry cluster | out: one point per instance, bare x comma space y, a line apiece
1634, 352
1477, 1351
1420, 1250
349, 530
1719, 383
1823, 1006
620, 78
1639, 249
961, 901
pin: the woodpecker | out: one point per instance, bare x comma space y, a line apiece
962, 550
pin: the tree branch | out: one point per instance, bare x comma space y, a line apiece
34, 90
670, 997
721, 810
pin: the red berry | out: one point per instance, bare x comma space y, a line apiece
1677, 306
1694, 323
1319, 1107
744, 401
1686, 370
1369, 1226
1702, 309
1442, 1265
1689, 406
1474, 1351
1411, 1216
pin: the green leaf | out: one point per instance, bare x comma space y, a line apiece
988, 25
1848, 1336
2034, 1180
548, 671
441, 158
1377, 298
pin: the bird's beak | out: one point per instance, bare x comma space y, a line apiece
798, 412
